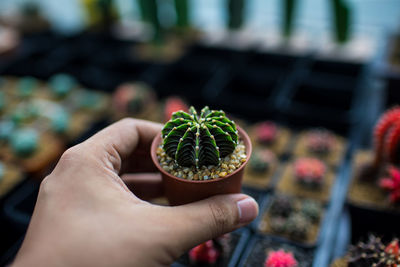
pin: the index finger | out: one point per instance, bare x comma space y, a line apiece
123, 140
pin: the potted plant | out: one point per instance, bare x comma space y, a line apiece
321, 143
373, 193
270, 135
261, 170
200, 155
135, 99
307, 177
292, 218
373, 252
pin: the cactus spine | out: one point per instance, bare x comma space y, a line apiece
194, 139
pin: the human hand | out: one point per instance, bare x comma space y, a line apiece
85, 214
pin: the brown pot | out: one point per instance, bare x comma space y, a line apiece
181, 191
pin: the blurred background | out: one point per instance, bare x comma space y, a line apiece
295, 74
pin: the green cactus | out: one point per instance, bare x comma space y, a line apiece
311, 210
199, 140
297, 226
342, 16
182, 13
282, 205
289, 13
278, 225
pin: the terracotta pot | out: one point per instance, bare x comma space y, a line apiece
180, 191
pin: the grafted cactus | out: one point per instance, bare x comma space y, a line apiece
194, 139
386, 136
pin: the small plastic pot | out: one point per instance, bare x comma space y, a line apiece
181, 191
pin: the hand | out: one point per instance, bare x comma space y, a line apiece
85, 214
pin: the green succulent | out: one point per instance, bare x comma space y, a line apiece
282, 205
194, 139
311, 209
26, 86
62, 84
297, 226
24, 142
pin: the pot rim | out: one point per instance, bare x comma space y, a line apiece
243, 135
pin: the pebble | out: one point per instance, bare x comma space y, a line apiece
228, 165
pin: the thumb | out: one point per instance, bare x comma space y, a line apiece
212, 217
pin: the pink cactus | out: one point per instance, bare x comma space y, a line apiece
309, 171
173, 104
320, 141
280, 258
392, 184
266, 132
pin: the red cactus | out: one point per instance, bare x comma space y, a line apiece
393, 248
309, 171
392, 184
392, 142
386, 122
280, 258
320, 141
173, 104
266, 132
205, 253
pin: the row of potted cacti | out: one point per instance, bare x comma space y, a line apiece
102, 13
208, 124
39, 119
296, 225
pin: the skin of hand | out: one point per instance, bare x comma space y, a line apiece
89, 214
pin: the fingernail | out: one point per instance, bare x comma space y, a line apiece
248, 210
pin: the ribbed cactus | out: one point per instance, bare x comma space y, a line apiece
194, 139
386, 135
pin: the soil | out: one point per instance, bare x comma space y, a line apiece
222, 261
280, 146
288, 185
342, 262
367, 192
261, 248
312, 232
333, 158
12, 177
